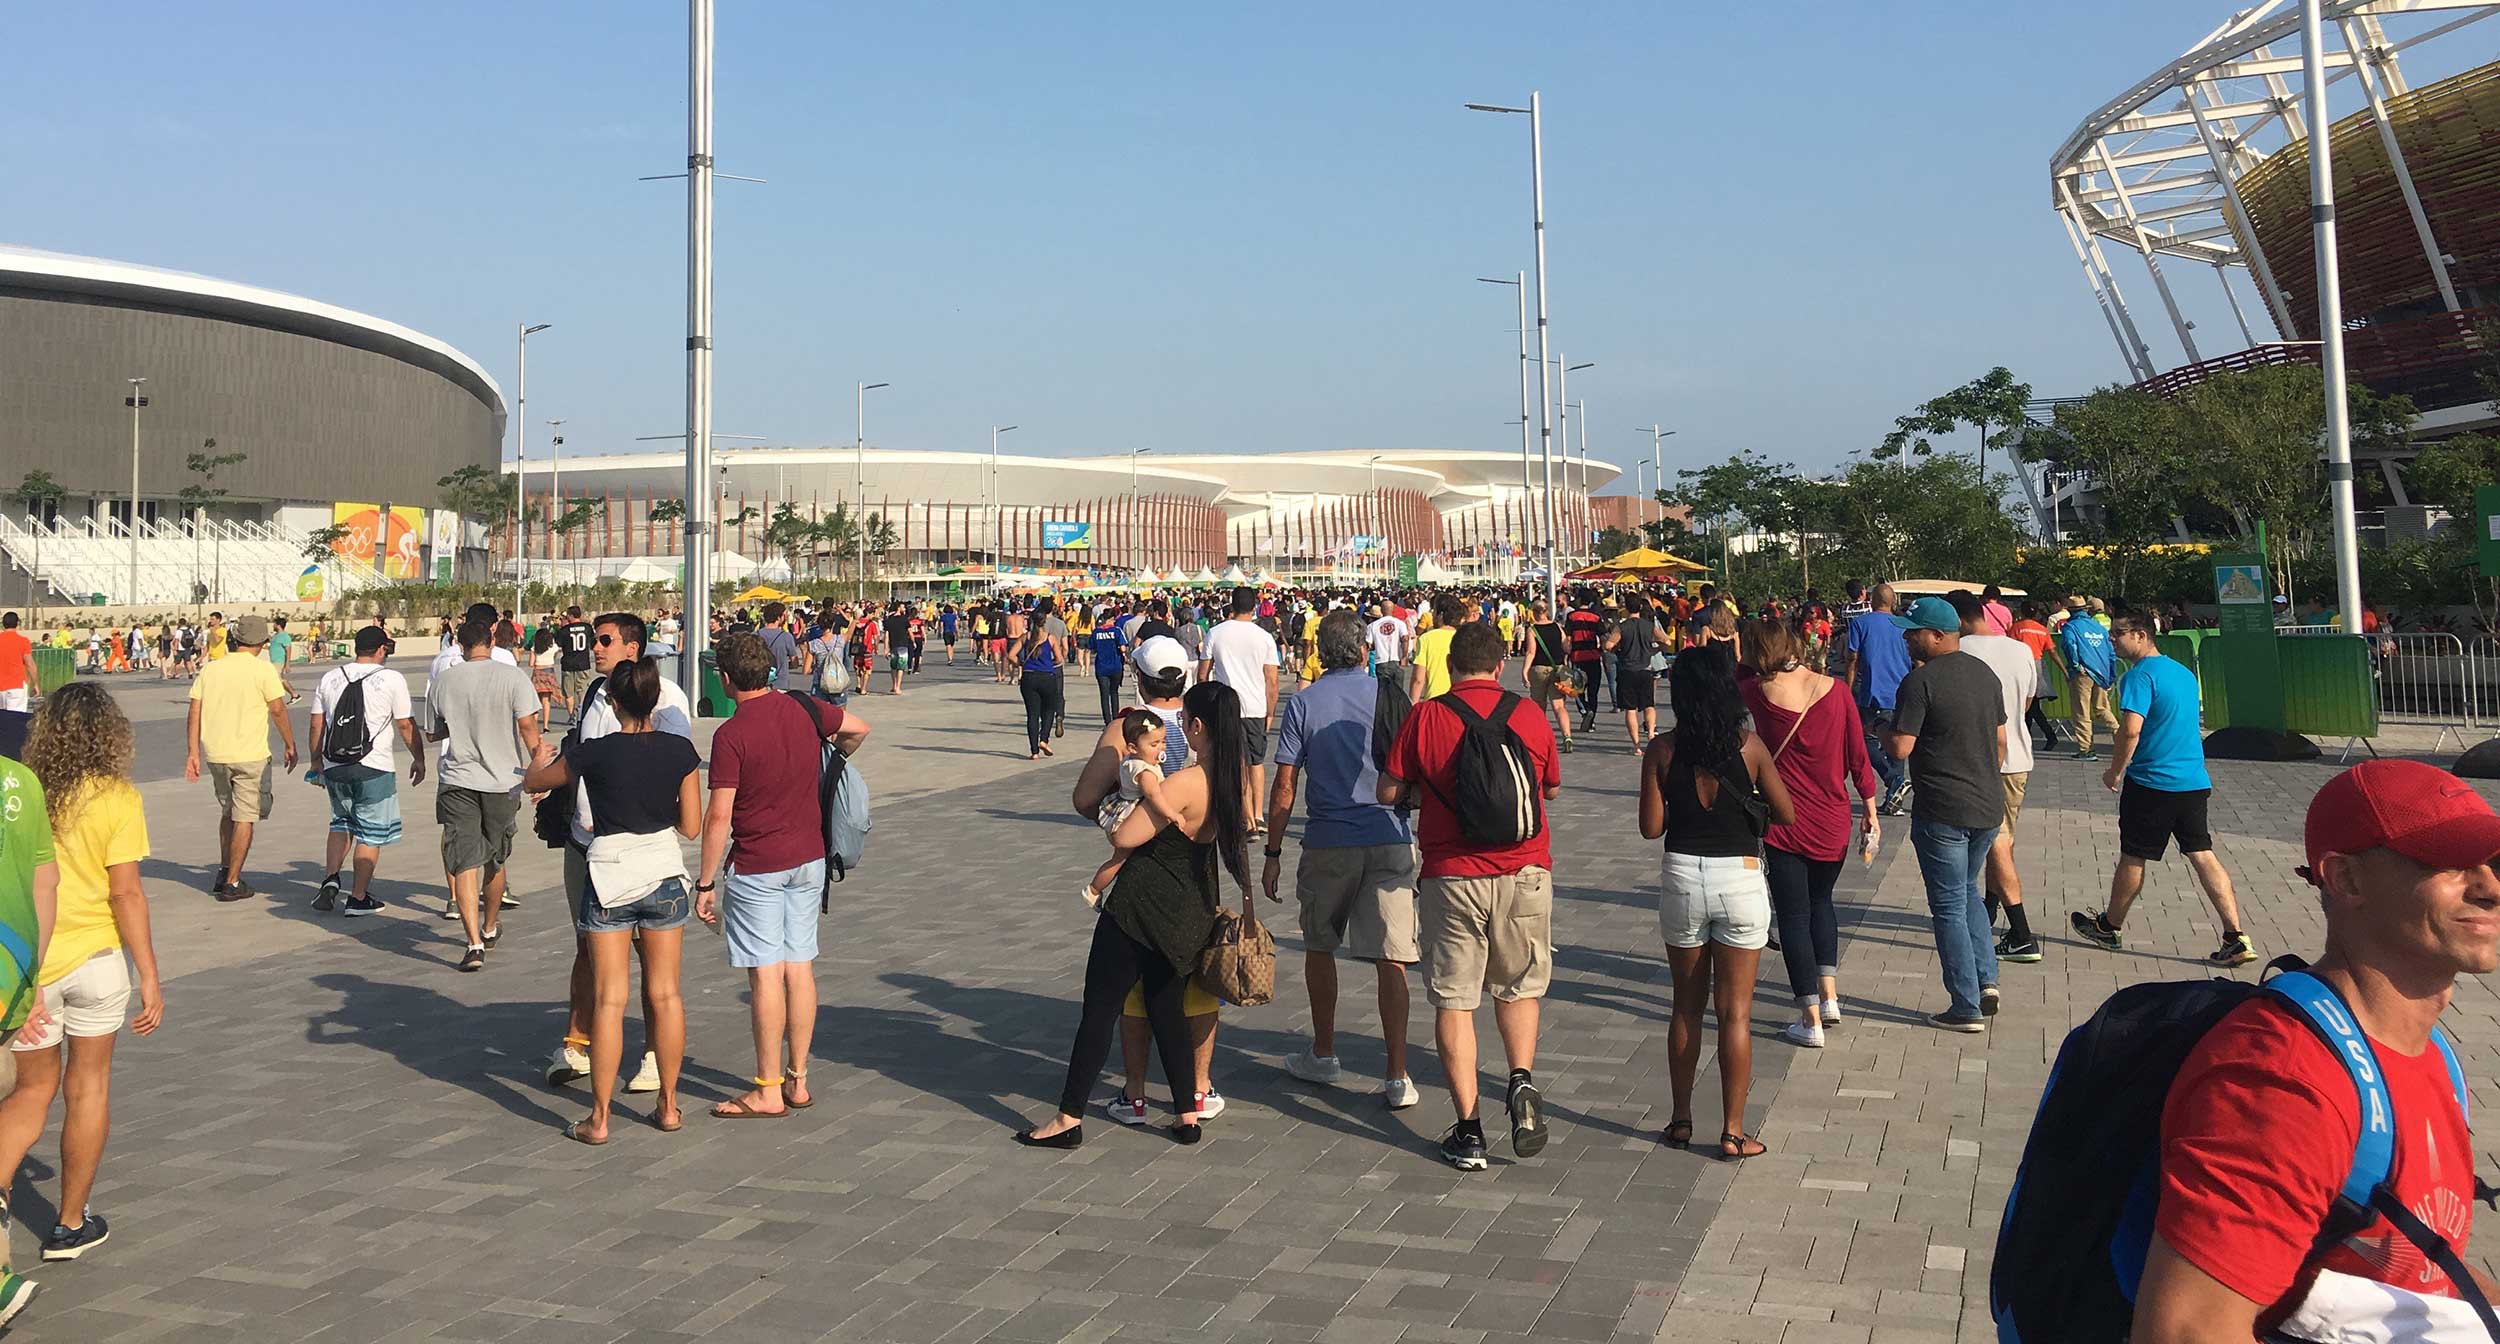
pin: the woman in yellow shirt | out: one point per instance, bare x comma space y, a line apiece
79, 746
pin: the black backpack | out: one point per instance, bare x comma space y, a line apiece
2078, 1223
1497, 799
346, 737
1389, 710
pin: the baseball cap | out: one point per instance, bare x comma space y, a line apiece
1931, 613
1161, 656
373, 637
249, 631
2418, 810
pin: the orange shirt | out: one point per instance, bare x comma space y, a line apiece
13, 650
2034, 634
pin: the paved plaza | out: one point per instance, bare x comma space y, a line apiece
337, 1138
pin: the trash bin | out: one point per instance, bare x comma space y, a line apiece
711, 699
54, 669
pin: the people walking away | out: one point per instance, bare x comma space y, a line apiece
29, 883
574, 637
781, 644
1039, 655
234, 703
1110, 652
2084, 654
1877, 660
1710, 790
1634, 643
2035, 636
1482, 763
897, 642
545, 671
357, 709
1550, 683
2157, 769
763, 821
1157, 919
1586, 630
1949, 724
1355, 881
101, 950
1431, 677
485, 713
18, 678
639, 782
1245, 657
2018, 680
1819, 747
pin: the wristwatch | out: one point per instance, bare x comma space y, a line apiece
1276, 853
701, 887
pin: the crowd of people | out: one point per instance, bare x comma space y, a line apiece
1419, 737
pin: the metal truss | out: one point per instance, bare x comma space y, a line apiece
2156, 169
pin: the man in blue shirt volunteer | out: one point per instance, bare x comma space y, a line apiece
2082, 651
2158, 772
1878, 659
1356, 880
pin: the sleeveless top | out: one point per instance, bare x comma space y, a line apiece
1043, 656
1165, 897
1720, 830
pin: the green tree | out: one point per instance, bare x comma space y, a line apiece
1991, 403
321, 544
1745, 491
1614, 541
2444, 475
204, 464
877, 536
1934, 517
38, 493
480, 492
791, 533
837, 531
574, 518
2130, 444
2252, 440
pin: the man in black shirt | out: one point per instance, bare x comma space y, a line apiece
573, 639
1948, 722
897, 645
1586, 633
1157, 622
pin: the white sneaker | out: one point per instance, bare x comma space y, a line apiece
1400, 1093
1210, 1105
1126, 1110
1807, 1034
567, 1064
451, 908
1831, 1012
1311, 1068
647, 1077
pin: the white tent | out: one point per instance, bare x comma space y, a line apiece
1235, 576
1268, 579
644, 569
731, 565
1178, 575
1204, 575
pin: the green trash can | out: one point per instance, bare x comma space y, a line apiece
54, 669
711, 699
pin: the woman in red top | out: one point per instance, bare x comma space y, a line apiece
1819, 746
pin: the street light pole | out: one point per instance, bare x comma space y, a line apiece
699, 510
134, 401
998, 551
1379, 532
1535, 113
1133, 455
518, 532
1527, 486
2331, 323
1562, 410
861, 485
555, 483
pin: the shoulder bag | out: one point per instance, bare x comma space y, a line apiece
1239, 963
1564, 684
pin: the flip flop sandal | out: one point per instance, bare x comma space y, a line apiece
668, 1129
577, 1134
1678, 1133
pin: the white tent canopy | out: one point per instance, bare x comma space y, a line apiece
644, 569
1204, 575
1235, 575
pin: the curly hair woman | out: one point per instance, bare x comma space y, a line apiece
80, 748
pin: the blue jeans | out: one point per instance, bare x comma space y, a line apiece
1953, 859
1888, 767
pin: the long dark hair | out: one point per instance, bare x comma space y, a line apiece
1218, 707
1709, 715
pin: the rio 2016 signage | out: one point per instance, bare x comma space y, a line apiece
1067, 536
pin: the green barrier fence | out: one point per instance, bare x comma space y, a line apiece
2327, 690
54, 669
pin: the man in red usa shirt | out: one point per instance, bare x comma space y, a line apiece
2260, 1125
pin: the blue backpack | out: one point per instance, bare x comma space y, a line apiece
2078, 1223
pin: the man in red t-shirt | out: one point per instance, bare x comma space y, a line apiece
17, 665
2258, 1132
1486, 913
763, 817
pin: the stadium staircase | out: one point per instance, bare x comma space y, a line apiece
75, 559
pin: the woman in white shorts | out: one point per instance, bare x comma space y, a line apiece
1710, 788
79, 746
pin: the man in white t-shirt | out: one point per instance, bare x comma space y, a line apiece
1241, 655
616, 637
1388, 638
364, 792
2018, 679
448, 657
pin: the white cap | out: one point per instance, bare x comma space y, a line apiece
1161, 656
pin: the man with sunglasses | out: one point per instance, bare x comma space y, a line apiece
619, 637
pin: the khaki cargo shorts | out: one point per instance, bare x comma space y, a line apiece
243, 792
1360, 897
2015, 785
1484, 933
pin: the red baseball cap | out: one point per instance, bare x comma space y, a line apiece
2420, 811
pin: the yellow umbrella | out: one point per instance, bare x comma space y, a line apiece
764, 592
1646, 560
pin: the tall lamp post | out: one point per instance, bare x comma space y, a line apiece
2331, 323
1527, 487
520, 466
1133, 455
134, 401
1378, 531
1535, 114
998, 552
555, 483
1562, 425
861, 485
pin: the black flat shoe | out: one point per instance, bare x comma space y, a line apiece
1072, 1137
1186, 1133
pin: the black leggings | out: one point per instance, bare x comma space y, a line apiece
2034, 719
1801, 900
1116, 964
1045, 699
1110, 697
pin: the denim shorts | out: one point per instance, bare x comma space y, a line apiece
664, 907
1704, 899
771, 917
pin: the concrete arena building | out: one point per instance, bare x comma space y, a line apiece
1293, 513
327, 405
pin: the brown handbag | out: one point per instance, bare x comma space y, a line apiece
1239, 964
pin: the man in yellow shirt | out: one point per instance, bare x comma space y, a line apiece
217, 635
233, 703
1431, 675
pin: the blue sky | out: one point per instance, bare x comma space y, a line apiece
1772, 227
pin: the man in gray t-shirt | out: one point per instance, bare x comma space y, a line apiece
485, 713
1948, 722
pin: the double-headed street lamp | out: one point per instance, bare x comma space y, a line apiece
134, 401
1519, 282
1562, 413
861, 502
520, 459
998, 552
1534, 112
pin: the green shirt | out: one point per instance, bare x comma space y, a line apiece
25, 845
279, 644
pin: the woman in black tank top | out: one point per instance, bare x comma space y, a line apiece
1709, 789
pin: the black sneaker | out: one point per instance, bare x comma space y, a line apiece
491, 937
1949, 1022
231, 892
508, 902
474, 960
1896, 800
1462, 1146
328, 900
69, 1243
2091, 927
1527, 1118
1988, 997
2234, 951
364, 905
2026, 951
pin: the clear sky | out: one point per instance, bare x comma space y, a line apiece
1120, 224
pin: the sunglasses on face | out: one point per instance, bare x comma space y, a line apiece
606, 640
